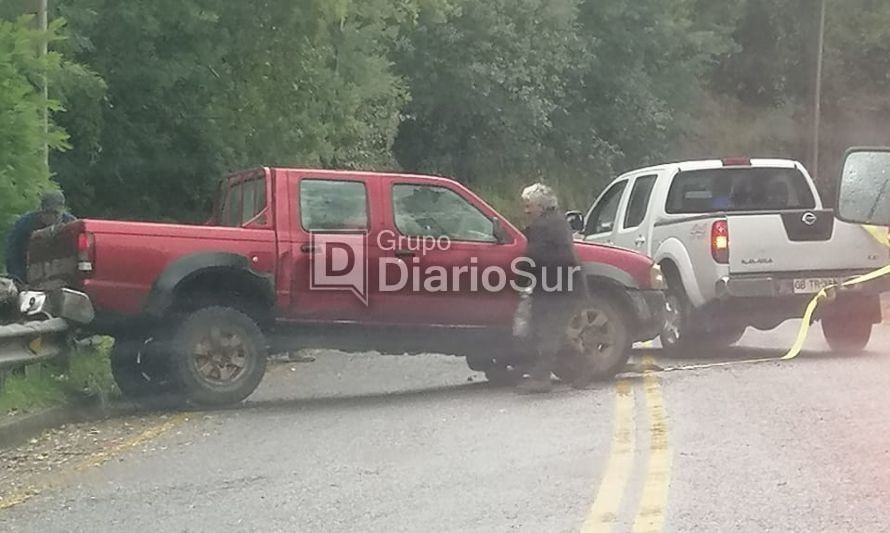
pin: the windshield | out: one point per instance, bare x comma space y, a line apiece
739, 189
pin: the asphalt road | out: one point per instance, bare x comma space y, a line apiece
390, 444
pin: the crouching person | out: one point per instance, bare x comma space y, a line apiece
558, 285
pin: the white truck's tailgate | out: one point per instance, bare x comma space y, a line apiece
800, 241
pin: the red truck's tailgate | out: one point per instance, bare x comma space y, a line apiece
122, 260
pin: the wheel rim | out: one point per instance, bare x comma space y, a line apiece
592, 334
221, 356
671, 332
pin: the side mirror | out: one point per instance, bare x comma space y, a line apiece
864, 191
575, 220
497, 229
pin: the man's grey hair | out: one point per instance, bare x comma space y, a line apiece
540, 195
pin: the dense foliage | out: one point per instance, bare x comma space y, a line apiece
153, 100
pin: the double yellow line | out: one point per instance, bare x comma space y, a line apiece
604, 512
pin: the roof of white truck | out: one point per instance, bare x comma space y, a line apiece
700, 164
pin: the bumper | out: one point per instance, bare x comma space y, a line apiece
61, 303
766, 301
768, 286
650, 308
41, 326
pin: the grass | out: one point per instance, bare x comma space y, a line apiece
86, 376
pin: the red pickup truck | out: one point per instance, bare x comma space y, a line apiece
318, 258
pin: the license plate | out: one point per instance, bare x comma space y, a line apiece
812, 285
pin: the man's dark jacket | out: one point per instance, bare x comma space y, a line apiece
551, 249
17, 243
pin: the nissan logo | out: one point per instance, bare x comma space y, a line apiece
808, 218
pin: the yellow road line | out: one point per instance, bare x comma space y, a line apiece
604, 511
650, 518
95, 459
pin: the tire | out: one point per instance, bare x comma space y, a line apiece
566, 367
678, 339
846, 334
600, 341
219, 356
142, 374
674, 333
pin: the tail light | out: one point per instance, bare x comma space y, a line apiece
736, 162
720, 241
86, 252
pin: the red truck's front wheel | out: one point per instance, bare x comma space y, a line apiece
599, 343
219, 356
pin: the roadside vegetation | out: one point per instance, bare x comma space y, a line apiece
86, 378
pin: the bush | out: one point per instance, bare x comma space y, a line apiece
85, 377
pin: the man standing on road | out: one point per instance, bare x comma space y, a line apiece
558, 282
52, 211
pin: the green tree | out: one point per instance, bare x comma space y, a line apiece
569, 90
23, 173
485, 79
200, 88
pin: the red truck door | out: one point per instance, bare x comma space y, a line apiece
332, 261
453, 271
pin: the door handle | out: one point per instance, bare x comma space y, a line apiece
404, 253
308, 248
640, 240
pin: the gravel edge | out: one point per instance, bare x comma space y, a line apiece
15, 430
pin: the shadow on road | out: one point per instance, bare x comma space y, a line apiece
742, 353
462, 391
377, 399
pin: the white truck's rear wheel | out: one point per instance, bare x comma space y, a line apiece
846, 334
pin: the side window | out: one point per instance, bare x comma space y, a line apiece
639, 201
602, 218
333, 205
231, 210
248, 200
427, 210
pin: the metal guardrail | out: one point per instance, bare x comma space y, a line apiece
39, 324
31, 342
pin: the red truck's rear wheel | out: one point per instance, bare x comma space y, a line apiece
219, 356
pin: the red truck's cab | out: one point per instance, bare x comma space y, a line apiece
345, 259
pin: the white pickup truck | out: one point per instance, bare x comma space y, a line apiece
741, 242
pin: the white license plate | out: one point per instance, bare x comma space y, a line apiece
812, 285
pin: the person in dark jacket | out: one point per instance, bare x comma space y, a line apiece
52, 211
558, 287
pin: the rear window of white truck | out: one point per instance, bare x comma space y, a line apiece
739, 189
